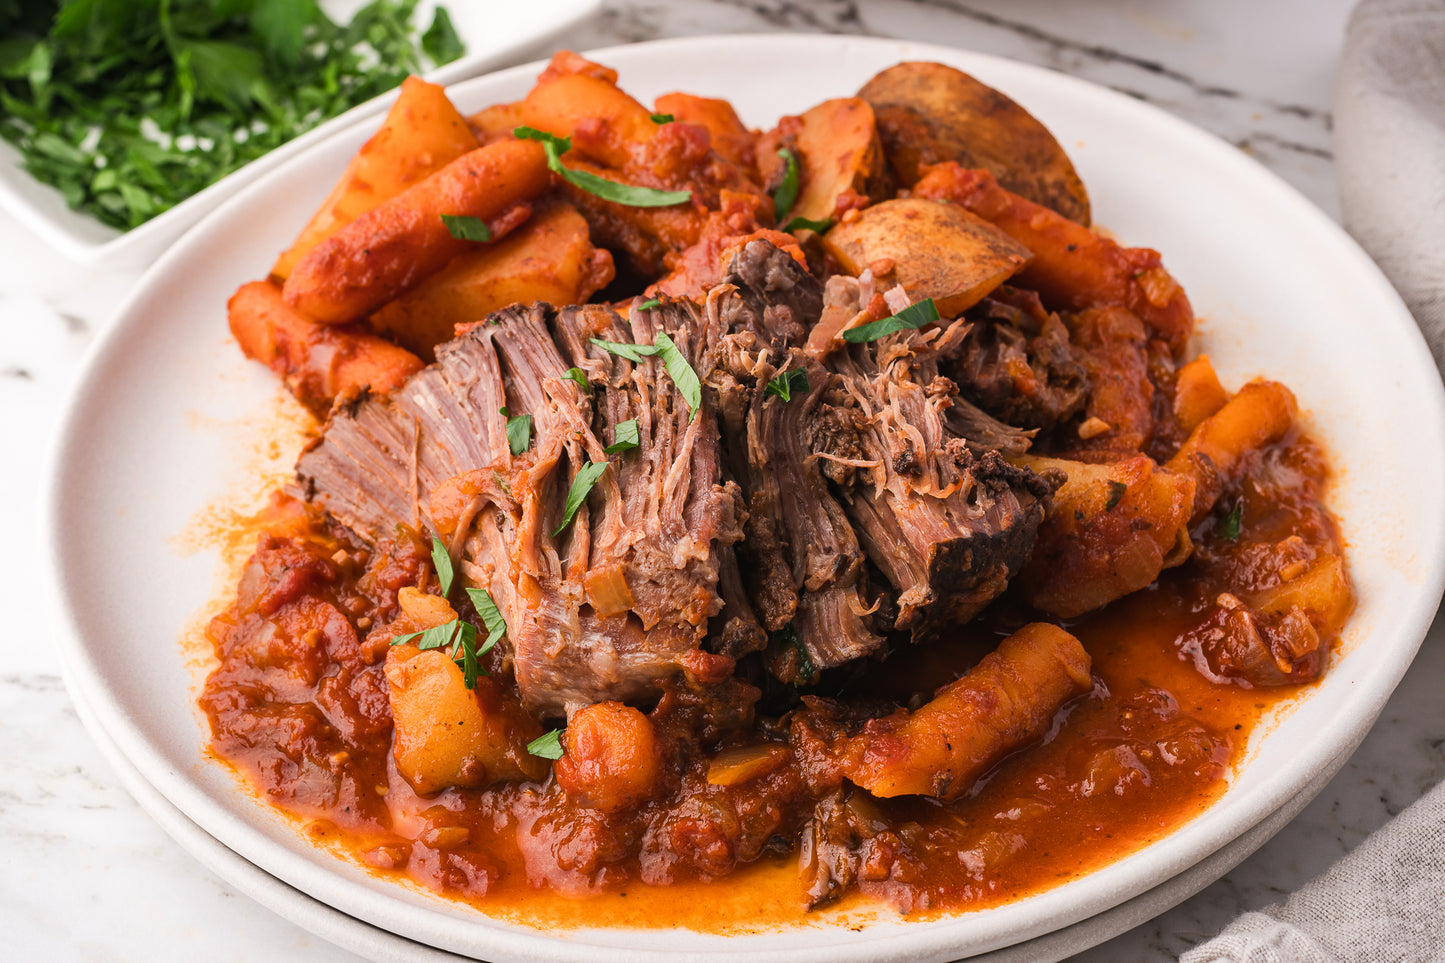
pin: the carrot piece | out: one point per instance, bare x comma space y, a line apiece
398, 244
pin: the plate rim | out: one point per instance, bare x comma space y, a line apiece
931, 939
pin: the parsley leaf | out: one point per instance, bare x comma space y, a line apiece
632, 352
548, 745
1229, 525
464, 227
1116, 494
662, 118
442, 559
519, 433
681, 373
441, 42
627, 194
491, 617
805, 224
649, 304
788, 636
788, 382
913, 316
624, 437
579, 376
787, 193
587, 476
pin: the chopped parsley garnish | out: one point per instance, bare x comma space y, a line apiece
662, 118
458, 636
466, 228
624, 437
678, 369
1229, 525
788, 382
548, 745
587, 476
649, 304
788, 636
129, 107
1116, 493
787, 193
519, 433
579, 376
806, 224
911, 317
608, 190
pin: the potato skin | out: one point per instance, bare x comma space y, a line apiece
928, 113
421, 134
938, 251
398, 244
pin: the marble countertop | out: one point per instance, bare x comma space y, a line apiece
88, 876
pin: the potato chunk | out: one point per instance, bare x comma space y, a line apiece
1110, 531
421, 134
839, 157
938, 251
1005, 701
611, 761
551, 258
448, 735
929, 113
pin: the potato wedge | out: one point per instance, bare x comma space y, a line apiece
928, 113
839, 156
551, 258
938, 251
421, 134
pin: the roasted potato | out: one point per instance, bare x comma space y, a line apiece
928, 113
549, 259
421, 134
934, 250
840, 159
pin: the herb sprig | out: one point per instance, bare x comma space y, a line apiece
627, 194
128, 107
784, 384
458, 636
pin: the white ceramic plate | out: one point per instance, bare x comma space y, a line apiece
158, 431
495, 33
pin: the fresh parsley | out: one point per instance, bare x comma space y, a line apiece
788, 382
579, 376
1116, 494
662, 118
787, 193
519, 433
548, 745
491, 617
441, 559
128, 107
1229, 525
463, 227
649, 304
608, 190
624, 437
806, 224
788, 636
458, 636
587, 476
678, 369
913, 316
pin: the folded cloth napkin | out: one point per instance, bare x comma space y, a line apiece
1386, 900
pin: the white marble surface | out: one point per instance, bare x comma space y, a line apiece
85, 875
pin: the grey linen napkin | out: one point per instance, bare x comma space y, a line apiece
1386, 900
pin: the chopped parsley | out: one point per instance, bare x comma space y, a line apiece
128, 107
1229, 524
787, 193
1116, 493
788, 382
649, 304
587, 476
519, 432
662, 118
579, 376
464, 227
624, 437
807, 224
608, 190
911, 317
548, 745
458, 636
678, 369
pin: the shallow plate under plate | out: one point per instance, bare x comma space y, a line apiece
494, 33
163, 426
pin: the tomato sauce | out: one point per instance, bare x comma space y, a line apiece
299, 706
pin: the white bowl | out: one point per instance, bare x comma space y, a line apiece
494, 33
164, 424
